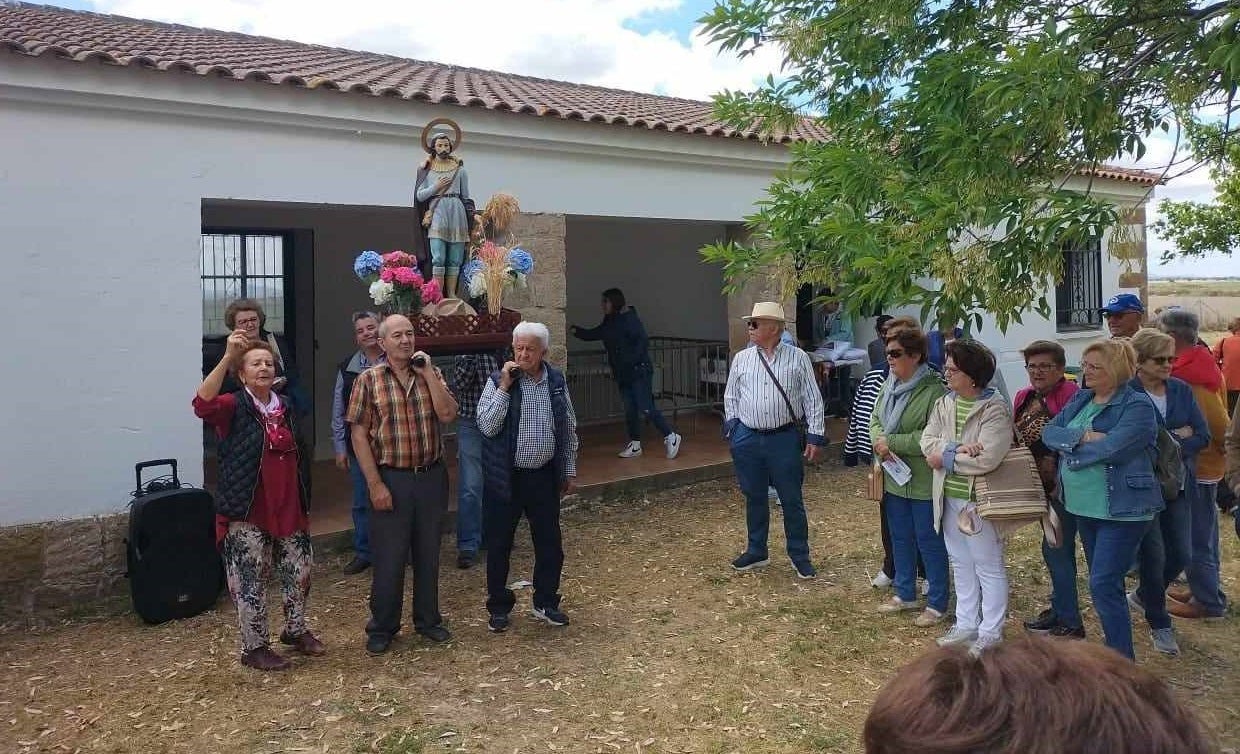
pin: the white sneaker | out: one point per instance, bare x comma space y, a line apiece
983, 643
632, 450
672, 443
880, 581
956, 636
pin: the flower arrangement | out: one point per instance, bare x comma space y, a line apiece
495, 269
395, 283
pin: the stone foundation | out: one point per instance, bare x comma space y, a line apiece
57, 566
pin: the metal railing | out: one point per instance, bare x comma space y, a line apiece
689, 375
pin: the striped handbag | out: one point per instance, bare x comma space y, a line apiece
1013, 490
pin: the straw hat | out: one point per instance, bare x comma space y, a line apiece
767, 310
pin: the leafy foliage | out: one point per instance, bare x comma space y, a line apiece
963, 134
1200, 228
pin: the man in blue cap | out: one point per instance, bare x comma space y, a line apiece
1124, 314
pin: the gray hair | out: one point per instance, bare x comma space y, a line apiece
1180, 324
359, 316
385, 325
534, 330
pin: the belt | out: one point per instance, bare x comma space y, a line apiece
784, 428
412, 469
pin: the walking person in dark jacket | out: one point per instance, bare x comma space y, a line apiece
628, 352
530, 455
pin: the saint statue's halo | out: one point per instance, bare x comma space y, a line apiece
428, 133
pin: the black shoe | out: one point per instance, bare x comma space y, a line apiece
748, 562
804, 569
377, 644
499, 623
1066, 632
466, 560
356, 566
437, 634
1042, 624
552, 615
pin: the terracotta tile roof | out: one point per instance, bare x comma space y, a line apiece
82, 36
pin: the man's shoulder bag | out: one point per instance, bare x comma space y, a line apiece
802, 431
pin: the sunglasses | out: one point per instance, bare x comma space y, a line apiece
895, 353
1110, 315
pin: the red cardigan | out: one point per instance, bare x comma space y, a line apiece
1055, 400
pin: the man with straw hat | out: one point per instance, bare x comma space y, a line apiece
773, 417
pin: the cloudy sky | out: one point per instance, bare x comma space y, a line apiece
643, 45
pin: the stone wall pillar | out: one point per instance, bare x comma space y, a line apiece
1132, 249
56, 566
546, 298
763, 286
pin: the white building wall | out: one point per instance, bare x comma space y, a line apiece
101, 189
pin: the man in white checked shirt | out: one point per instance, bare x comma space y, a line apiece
765, 438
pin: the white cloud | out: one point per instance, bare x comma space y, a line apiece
584, 41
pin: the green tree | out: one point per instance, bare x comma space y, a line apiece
1201, 228
946, 117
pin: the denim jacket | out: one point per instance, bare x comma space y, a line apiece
1130, 423
1183, 411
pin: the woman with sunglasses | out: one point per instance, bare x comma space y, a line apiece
900, 415
1166, 547
1105, 438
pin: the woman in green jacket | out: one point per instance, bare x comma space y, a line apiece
900, 414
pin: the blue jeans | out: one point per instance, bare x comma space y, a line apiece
446, 255
912, 533
1061, 565
1110, 547
639, 404
774, 458
469, 481
1202, 571
360, 510
1163, 555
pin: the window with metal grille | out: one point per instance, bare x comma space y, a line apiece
243, 265
1078, 294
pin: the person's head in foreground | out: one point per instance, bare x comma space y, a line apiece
1030, 696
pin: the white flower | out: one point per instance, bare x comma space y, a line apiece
477, 286
381, 292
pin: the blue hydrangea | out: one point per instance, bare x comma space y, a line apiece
367, 264
471, 268
520, 261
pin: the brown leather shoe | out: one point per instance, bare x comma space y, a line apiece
1180, 593
1190, 610
307, 643
264, 659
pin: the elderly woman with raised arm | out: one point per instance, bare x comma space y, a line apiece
1105, 438
261, 499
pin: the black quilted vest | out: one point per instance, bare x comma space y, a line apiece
241, 455
347, 379
499, 452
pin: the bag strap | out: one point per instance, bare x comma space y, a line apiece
778, 386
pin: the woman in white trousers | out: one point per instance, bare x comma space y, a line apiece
968, 434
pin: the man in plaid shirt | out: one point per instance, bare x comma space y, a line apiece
397, 412
531, 459
468, 378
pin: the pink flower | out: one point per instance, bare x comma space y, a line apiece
388, 274
397, 259
407, 276
431, 294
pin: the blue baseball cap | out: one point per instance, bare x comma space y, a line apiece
1123, 302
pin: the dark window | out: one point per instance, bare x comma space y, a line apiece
241, 265
1078, 294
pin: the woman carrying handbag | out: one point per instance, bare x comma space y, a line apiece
968, 434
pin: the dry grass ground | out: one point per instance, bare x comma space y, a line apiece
669, 651
1216, 302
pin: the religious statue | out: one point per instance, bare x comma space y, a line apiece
443, 205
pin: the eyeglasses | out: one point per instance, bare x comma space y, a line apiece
1088, 367
1041, 367
1161, 360
895, 353
949, 371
